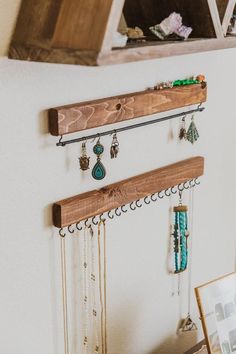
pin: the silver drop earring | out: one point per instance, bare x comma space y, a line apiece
114, 146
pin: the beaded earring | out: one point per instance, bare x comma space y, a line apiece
99, 171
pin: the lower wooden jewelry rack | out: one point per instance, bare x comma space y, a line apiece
183, 174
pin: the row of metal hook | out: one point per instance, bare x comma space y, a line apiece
132, 206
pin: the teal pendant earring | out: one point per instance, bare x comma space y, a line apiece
99, 171
192, 133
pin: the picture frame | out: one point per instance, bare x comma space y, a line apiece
217, 306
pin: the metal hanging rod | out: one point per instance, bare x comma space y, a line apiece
129, 127
131, 206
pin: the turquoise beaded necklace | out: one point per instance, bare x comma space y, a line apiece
180, 236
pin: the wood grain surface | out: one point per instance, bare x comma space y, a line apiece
86, 205
82, 24
86, 115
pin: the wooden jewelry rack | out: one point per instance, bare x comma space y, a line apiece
87, 205
92, 114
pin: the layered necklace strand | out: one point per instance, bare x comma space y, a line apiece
94, 254
102, 283
64, 295
85, 292
93, 278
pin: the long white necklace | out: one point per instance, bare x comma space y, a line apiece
85, 292
102, 283
64, 294
93, 278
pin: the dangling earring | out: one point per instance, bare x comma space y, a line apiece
192, 133
114, 147
182, 132
84, 159
99, 171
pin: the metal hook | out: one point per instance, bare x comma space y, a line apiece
138, 205
167, 194
180, 189
110, 217
123, 210
94, 222
69, 229
60, 142
185, 185
172, 190
61, 233
80, 228
159, 195
85, 223
98, 136
154, 200
191, 183
145, 200
199, 106
197, 182
116, 212
100, 217
131, 206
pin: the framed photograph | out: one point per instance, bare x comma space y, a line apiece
217, 306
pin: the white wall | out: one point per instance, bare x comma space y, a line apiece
143, 316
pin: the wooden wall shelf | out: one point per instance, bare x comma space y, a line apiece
77, 117
82, 31
72, 210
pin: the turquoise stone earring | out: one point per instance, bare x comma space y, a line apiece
99, 171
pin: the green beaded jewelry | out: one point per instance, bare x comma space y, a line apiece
99, 171
180, 236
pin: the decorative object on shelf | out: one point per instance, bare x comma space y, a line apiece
192, 133
167, 26
217, 306
99, 171
183, 132
134, 33
171, 25
84, 159
180, 235
119, 39
184, 32
232, 26
200, 79
114, 146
